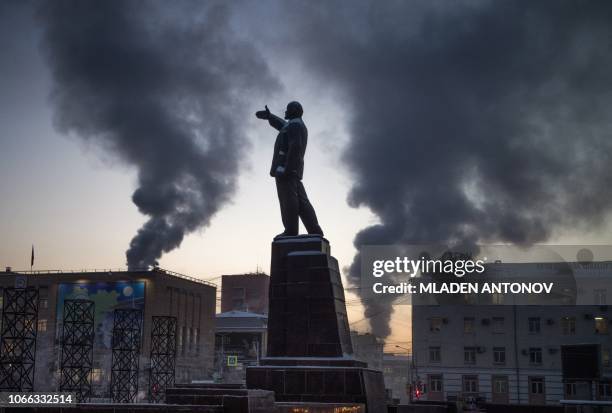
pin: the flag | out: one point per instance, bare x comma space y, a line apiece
32, 258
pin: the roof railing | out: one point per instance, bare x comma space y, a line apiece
113, 270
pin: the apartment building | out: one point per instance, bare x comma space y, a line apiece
510, 354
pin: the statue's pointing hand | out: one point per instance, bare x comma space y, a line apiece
263, 114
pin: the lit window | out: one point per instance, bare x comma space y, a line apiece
42, 325
601, 325
534, 325
435, 324
605, 357
535, 355
568, 326
497, 298
434, 354
469, 355
499, 355
96, 375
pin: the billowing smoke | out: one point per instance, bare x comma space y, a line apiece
475, 121
163, 86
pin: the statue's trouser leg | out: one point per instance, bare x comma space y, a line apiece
287, 190
306, 211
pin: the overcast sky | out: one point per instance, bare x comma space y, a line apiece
428, 121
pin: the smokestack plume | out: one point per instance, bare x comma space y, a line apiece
163, 86
471, 121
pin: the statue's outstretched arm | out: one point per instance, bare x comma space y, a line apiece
276, 122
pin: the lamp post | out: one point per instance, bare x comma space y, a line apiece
412, 370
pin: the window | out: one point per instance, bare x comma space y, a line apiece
499, 355
197, 340
535, 355
605, 390
600, 297
570, 389
42, 325
434, 354
500, 384
179, 340
498, 325
43, 303
96, 375
568, 326
470, 299
536, 385
470, 384
497, 298
534, 325
469, 355
468, 325
435, 383
238, 298
605, 357
435, 324
601, 325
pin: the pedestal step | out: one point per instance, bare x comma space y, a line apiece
227, 400
322, 384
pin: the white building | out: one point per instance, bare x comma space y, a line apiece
511, 353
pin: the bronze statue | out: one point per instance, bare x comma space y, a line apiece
288, 169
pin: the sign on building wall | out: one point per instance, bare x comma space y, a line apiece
107, 296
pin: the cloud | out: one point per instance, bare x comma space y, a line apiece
164, 87
473, 121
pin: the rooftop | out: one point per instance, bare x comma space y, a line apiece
111, 271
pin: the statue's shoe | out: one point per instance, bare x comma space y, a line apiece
285, 234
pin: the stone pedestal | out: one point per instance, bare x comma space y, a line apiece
309, 355
221, 398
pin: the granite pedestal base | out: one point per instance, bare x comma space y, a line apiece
321, 384
222, 398
309, 344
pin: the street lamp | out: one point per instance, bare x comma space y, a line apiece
413, 371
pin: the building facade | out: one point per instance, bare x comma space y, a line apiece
240, 341
396, 371
245, 292
153, 293
509, 354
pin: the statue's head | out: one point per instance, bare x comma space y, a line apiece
294, 110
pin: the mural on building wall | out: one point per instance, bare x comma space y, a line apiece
107, 297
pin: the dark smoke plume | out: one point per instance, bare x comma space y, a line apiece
474, 121
163, 86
